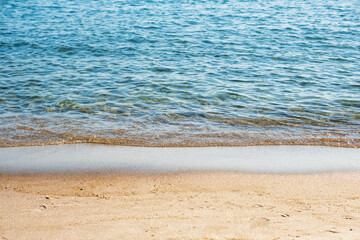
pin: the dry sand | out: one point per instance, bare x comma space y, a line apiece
205, 205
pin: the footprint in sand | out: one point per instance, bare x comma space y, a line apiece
259, 222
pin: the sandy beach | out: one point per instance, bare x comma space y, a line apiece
178, 120
192, 205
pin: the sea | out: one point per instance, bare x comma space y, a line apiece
180, 72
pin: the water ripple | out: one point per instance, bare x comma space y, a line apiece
263, 71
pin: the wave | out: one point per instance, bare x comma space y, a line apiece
179, 140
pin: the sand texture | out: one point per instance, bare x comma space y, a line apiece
202, 205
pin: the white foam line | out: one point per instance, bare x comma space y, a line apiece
88, 157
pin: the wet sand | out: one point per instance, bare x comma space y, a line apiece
192, 205
100, 158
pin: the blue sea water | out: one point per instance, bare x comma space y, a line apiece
192, 72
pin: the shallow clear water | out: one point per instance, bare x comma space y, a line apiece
180, 72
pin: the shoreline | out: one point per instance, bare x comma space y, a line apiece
187, 205
152, 142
